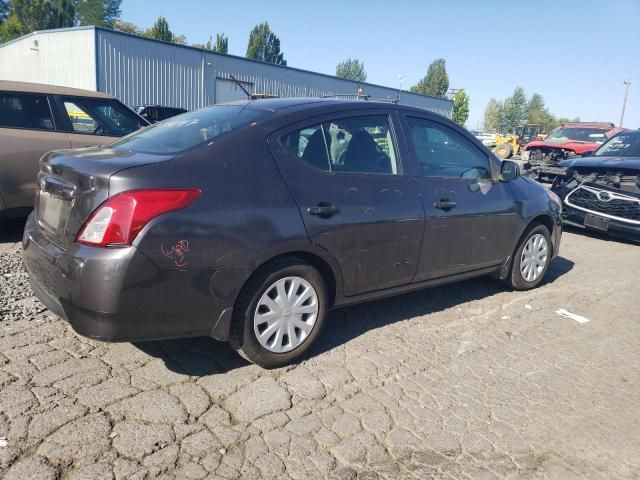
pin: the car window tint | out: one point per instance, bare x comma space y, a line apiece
178, 134
353, 144
80, 121
361, 145
100, 117
442, 152
19, 110
309, 145
622, 145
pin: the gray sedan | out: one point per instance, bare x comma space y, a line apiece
248, 222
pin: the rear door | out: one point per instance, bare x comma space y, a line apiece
355, 195
470, 215
94, 122
27, 131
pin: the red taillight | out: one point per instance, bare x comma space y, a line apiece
118, 221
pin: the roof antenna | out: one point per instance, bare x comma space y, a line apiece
249, 96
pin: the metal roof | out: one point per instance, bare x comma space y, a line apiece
211, 52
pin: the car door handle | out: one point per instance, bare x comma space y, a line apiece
445, 204
323, 210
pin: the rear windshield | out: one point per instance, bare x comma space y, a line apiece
623, 145
184, 132
594, 135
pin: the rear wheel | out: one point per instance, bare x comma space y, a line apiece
531, 259
503, 150
279, 313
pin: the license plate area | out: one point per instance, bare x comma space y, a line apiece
52, 212
597, 222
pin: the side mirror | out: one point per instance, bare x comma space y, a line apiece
509, 170
587, 154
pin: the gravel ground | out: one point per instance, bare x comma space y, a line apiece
464, 381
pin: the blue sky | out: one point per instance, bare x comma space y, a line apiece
574, 53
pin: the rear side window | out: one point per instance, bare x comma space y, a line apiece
362, 144
443, 152
19, 110
101, 117
178, 134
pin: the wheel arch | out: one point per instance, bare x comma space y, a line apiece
544, 219
328, 270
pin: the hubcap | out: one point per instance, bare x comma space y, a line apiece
534, 257
286, 314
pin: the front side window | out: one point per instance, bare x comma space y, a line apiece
19, 110
622, 145
442, 152
184, 132
361, 144
101, 117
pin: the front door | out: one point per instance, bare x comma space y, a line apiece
470, 215
347, 178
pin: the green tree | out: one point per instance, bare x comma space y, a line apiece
128, 27
435, 82
26, 16
535, 108
103, 13
179, 39
222, 43
160, 30
492, 114
460, 107
264, 45
514, 111
538, 113
351, 69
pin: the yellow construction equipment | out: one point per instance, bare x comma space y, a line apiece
510, 145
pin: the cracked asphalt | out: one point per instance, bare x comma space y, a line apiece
466, 381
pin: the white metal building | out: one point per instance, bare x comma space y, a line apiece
142, 71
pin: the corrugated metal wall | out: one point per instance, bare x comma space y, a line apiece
64, 58
140, 71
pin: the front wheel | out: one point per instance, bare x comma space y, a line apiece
531, 259
503, 150
279, 313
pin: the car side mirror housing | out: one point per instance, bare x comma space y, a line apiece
509, 170
587, 154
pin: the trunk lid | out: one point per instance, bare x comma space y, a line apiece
73, 183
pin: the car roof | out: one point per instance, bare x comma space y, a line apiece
27, 87
607, 125
277, 104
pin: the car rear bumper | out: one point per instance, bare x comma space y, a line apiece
575, 217
119, 294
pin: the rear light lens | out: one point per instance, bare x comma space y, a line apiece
117, 222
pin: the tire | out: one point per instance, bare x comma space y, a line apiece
503, 150
516, 279
251, 303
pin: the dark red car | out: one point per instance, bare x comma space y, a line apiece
569, 140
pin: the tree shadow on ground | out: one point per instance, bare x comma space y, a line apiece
204, 356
